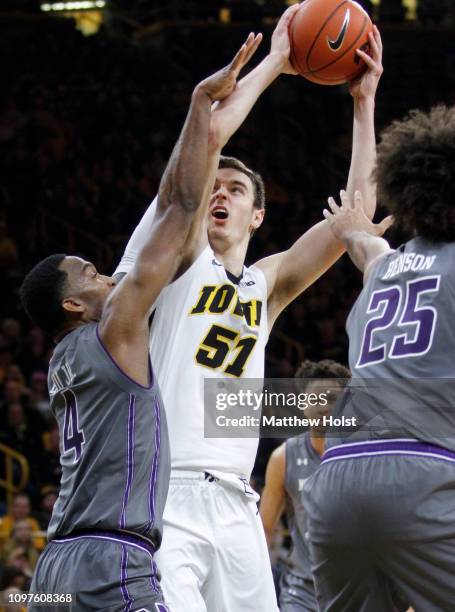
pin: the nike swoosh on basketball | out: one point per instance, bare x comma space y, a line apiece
336, 44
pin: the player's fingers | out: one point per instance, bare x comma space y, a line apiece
243, 54
328, 215
384, 225
369, 61
288, 15
333, 206
251, 49
377, 37
375, 53
345, 201
236, 63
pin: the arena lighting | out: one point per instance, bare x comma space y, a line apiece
409, 5
80, 5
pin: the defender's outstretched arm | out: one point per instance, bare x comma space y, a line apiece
361, 237
227, 116
124, 323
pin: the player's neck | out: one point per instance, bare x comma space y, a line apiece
318, 443
231, 256
67, 330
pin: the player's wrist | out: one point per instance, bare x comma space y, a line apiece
276, 61
352, 235
201, 93
364, 101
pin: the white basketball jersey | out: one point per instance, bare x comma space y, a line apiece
208, 323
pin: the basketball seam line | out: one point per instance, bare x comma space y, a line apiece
321, 29
315, 72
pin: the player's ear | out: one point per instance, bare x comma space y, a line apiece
258, 218
72, 304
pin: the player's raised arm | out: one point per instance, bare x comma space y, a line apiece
229, 114
124, 323
291, 272
353, 228
142, 231
273, 495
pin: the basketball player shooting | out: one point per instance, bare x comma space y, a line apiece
289, 466
106, 525
381, 510
214, 320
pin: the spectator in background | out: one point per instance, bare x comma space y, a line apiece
17, 558
13, 389
14, 374
39, 397
20, 511
12, 332
13, 578
23, 430
20, 548
34, 355
48, 467
49, 496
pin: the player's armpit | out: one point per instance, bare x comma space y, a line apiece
124, 322
273, 495
138, 238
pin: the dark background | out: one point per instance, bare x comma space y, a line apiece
88, 122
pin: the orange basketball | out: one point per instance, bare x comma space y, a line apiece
324, 37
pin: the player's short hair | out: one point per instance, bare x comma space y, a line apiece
41, 293
327, 368
255, 178
415, 173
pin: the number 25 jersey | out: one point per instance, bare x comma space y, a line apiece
402, 344
208, 324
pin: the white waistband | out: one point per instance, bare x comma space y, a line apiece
230, 480
189, 474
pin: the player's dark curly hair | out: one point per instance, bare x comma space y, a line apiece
41, 293
255, 178
327, 368
415, 173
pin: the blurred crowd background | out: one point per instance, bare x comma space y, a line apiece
86, 126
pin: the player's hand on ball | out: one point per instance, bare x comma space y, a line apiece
221, 84
346, 219
281, 46
367, 84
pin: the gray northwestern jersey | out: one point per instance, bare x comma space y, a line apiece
401, 338
114, 444
301, 463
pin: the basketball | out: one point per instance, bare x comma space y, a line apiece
324, 37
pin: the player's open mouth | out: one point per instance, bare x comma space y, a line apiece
220, 213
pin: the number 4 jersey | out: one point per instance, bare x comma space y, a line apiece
402, 329
208, 324
113, 442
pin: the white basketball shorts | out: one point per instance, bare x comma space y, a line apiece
214, 555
